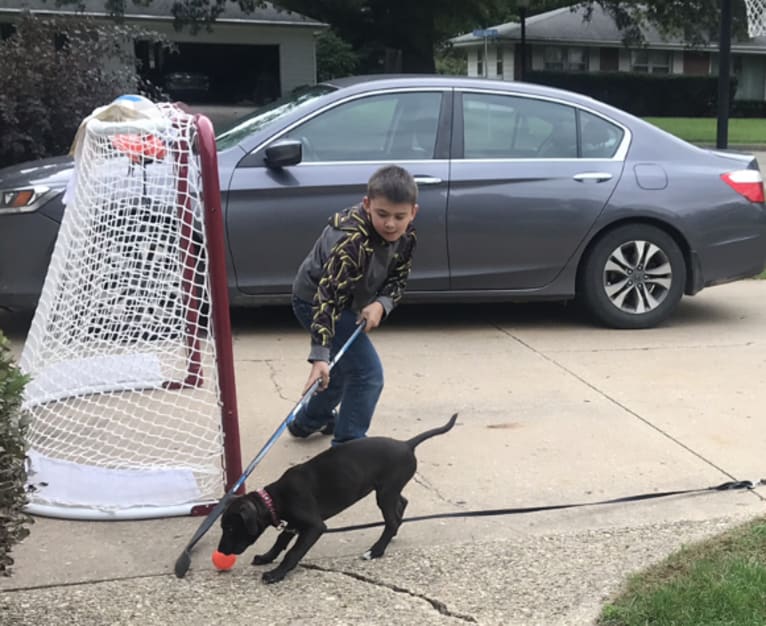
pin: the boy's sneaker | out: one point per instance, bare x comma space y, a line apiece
329, 427
296, 430
301, 432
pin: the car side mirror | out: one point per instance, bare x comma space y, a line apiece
284, 153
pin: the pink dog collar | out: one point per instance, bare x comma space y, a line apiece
264, 495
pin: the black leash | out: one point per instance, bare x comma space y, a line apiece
727, 486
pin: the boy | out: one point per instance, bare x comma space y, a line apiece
357, 270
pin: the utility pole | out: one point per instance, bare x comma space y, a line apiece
724, 74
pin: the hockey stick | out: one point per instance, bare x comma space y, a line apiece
184, 560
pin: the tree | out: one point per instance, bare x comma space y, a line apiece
696, 21
335, 57
56, 84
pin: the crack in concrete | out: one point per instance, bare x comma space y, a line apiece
421, 480
273, 378
438, 605
624, 407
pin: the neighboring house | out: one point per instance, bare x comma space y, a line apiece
253, 57
563, 40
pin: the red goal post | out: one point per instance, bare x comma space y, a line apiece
132, 397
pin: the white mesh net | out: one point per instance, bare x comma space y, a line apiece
756, 17
124, 396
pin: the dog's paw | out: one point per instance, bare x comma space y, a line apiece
272, 576
261, 559
372, 554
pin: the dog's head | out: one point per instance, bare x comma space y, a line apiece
243, 521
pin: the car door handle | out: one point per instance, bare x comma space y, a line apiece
427, 180
592, 177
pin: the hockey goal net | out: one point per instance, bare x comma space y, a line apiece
131, 397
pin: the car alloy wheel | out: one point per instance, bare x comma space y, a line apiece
637, 276
633, 276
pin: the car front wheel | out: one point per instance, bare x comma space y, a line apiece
633, 277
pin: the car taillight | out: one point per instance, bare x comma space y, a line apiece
748, 183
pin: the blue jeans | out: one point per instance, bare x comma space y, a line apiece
356, 381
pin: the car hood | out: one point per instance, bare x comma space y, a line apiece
53, 172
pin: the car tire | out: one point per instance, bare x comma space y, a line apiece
633, 277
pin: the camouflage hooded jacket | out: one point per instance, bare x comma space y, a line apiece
349, 267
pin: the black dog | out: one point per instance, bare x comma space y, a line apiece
323, 486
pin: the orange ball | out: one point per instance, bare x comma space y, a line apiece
223, 562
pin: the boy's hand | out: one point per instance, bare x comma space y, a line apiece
319, 370
372, 314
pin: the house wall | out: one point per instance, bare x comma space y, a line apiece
752, 76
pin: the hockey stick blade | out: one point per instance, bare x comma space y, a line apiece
183, 562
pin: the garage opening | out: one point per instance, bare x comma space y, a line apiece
212, 73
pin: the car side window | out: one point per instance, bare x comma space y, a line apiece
514, 127
391, 126
600, 138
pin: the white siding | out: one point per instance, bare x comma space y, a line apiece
594, 59
473, 59
677, 62
509, 63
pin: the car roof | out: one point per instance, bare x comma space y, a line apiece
452, 81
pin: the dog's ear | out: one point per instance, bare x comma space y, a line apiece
250, 517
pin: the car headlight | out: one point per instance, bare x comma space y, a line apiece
24, 199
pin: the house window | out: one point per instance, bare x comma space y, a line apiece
480, 61
499, 67
650, 61
565, 59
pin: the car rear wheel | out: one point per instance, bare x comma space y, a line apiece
633, 277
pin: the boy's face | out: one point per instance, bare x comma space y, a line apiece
390, 219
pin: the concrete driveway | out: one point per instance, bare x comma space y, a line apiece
552, 411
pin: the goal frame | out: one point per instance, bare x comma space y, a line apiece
219, 314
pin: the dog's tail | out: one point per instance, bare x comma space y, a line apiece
417, 439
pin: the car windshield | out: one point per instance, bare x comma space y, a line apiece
265, 115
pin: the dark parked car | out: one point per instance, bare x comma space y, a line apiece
526, 192
187, 85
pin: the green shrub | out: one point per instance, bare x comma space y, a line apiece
335, 56
13, 520
54, 72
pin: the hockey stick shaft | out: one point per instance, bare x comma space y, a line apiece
184, 560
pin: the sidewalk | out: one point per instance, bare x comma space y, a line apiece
552, 411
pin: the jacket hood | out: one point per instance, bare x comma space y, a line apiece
352, 219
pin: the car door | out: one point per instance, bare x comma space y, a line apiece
528, 179
275, 215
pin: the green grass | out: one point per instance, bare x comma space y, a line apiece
747, 131
718, 582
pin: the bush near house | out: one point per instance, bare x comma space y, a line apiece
13, 520
642, 94
335, 56
56, 71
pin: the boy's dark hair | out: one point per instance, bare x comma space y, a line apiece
394, 183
